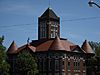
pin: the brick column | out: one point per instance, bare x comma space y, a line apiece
53, 66
72, 66
42, 65
81, 66
47, 66
66, 66
60, 66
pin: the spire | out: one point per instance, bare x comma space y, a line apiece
86, 47
49, 3
56, 45
12, 48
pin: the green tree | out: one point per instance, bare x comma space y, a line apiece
96, 60
96, 47
4, 66
26, 64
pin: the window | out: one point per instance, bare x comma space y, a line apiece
68, 63
54, 29
52, 34
43, 30
40, 64
44, 65
56, 65
63, 64
50, 66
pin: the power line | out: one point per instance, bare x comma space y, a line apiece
23, 25
78, 19
17, 25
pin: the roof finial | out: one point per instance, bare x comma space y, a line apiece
49, 3
28, 40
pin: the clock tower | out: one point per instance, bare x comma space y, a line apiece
48, 25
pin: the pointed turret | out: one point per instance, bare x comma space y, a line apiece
86, 47
56, 45
12, 48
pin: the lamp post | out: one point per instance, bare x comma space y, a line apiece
92, 2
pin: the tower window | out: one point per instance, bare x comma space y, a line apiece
52, 34
43, 30
54, 29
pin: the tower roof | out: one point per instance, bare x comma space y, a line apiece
49, 13
56, 44
86, 47
12, 48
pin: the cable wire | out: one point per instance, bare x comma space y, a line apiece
78, 19
23, 25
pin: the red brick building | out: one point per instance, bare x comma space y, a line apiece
55, 55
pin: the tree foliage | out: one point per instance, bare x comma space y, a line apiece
25, 64
96, 59
4, 66
96, 47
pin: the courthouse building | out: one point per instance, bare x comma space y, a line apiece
55, 55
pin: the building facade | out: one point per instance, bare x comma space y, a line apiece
55, 55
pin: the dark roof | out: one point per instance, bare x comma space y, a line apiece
86, 47
49, 13
12, 48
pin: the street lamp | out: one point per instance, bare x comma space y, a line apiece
92, 2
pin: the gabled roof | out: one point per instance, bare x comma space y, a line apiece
86, 47
49, 13
24, 47
13, 48
56, 45
76, 48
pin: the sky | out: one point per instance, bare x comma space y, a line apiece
78, 21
